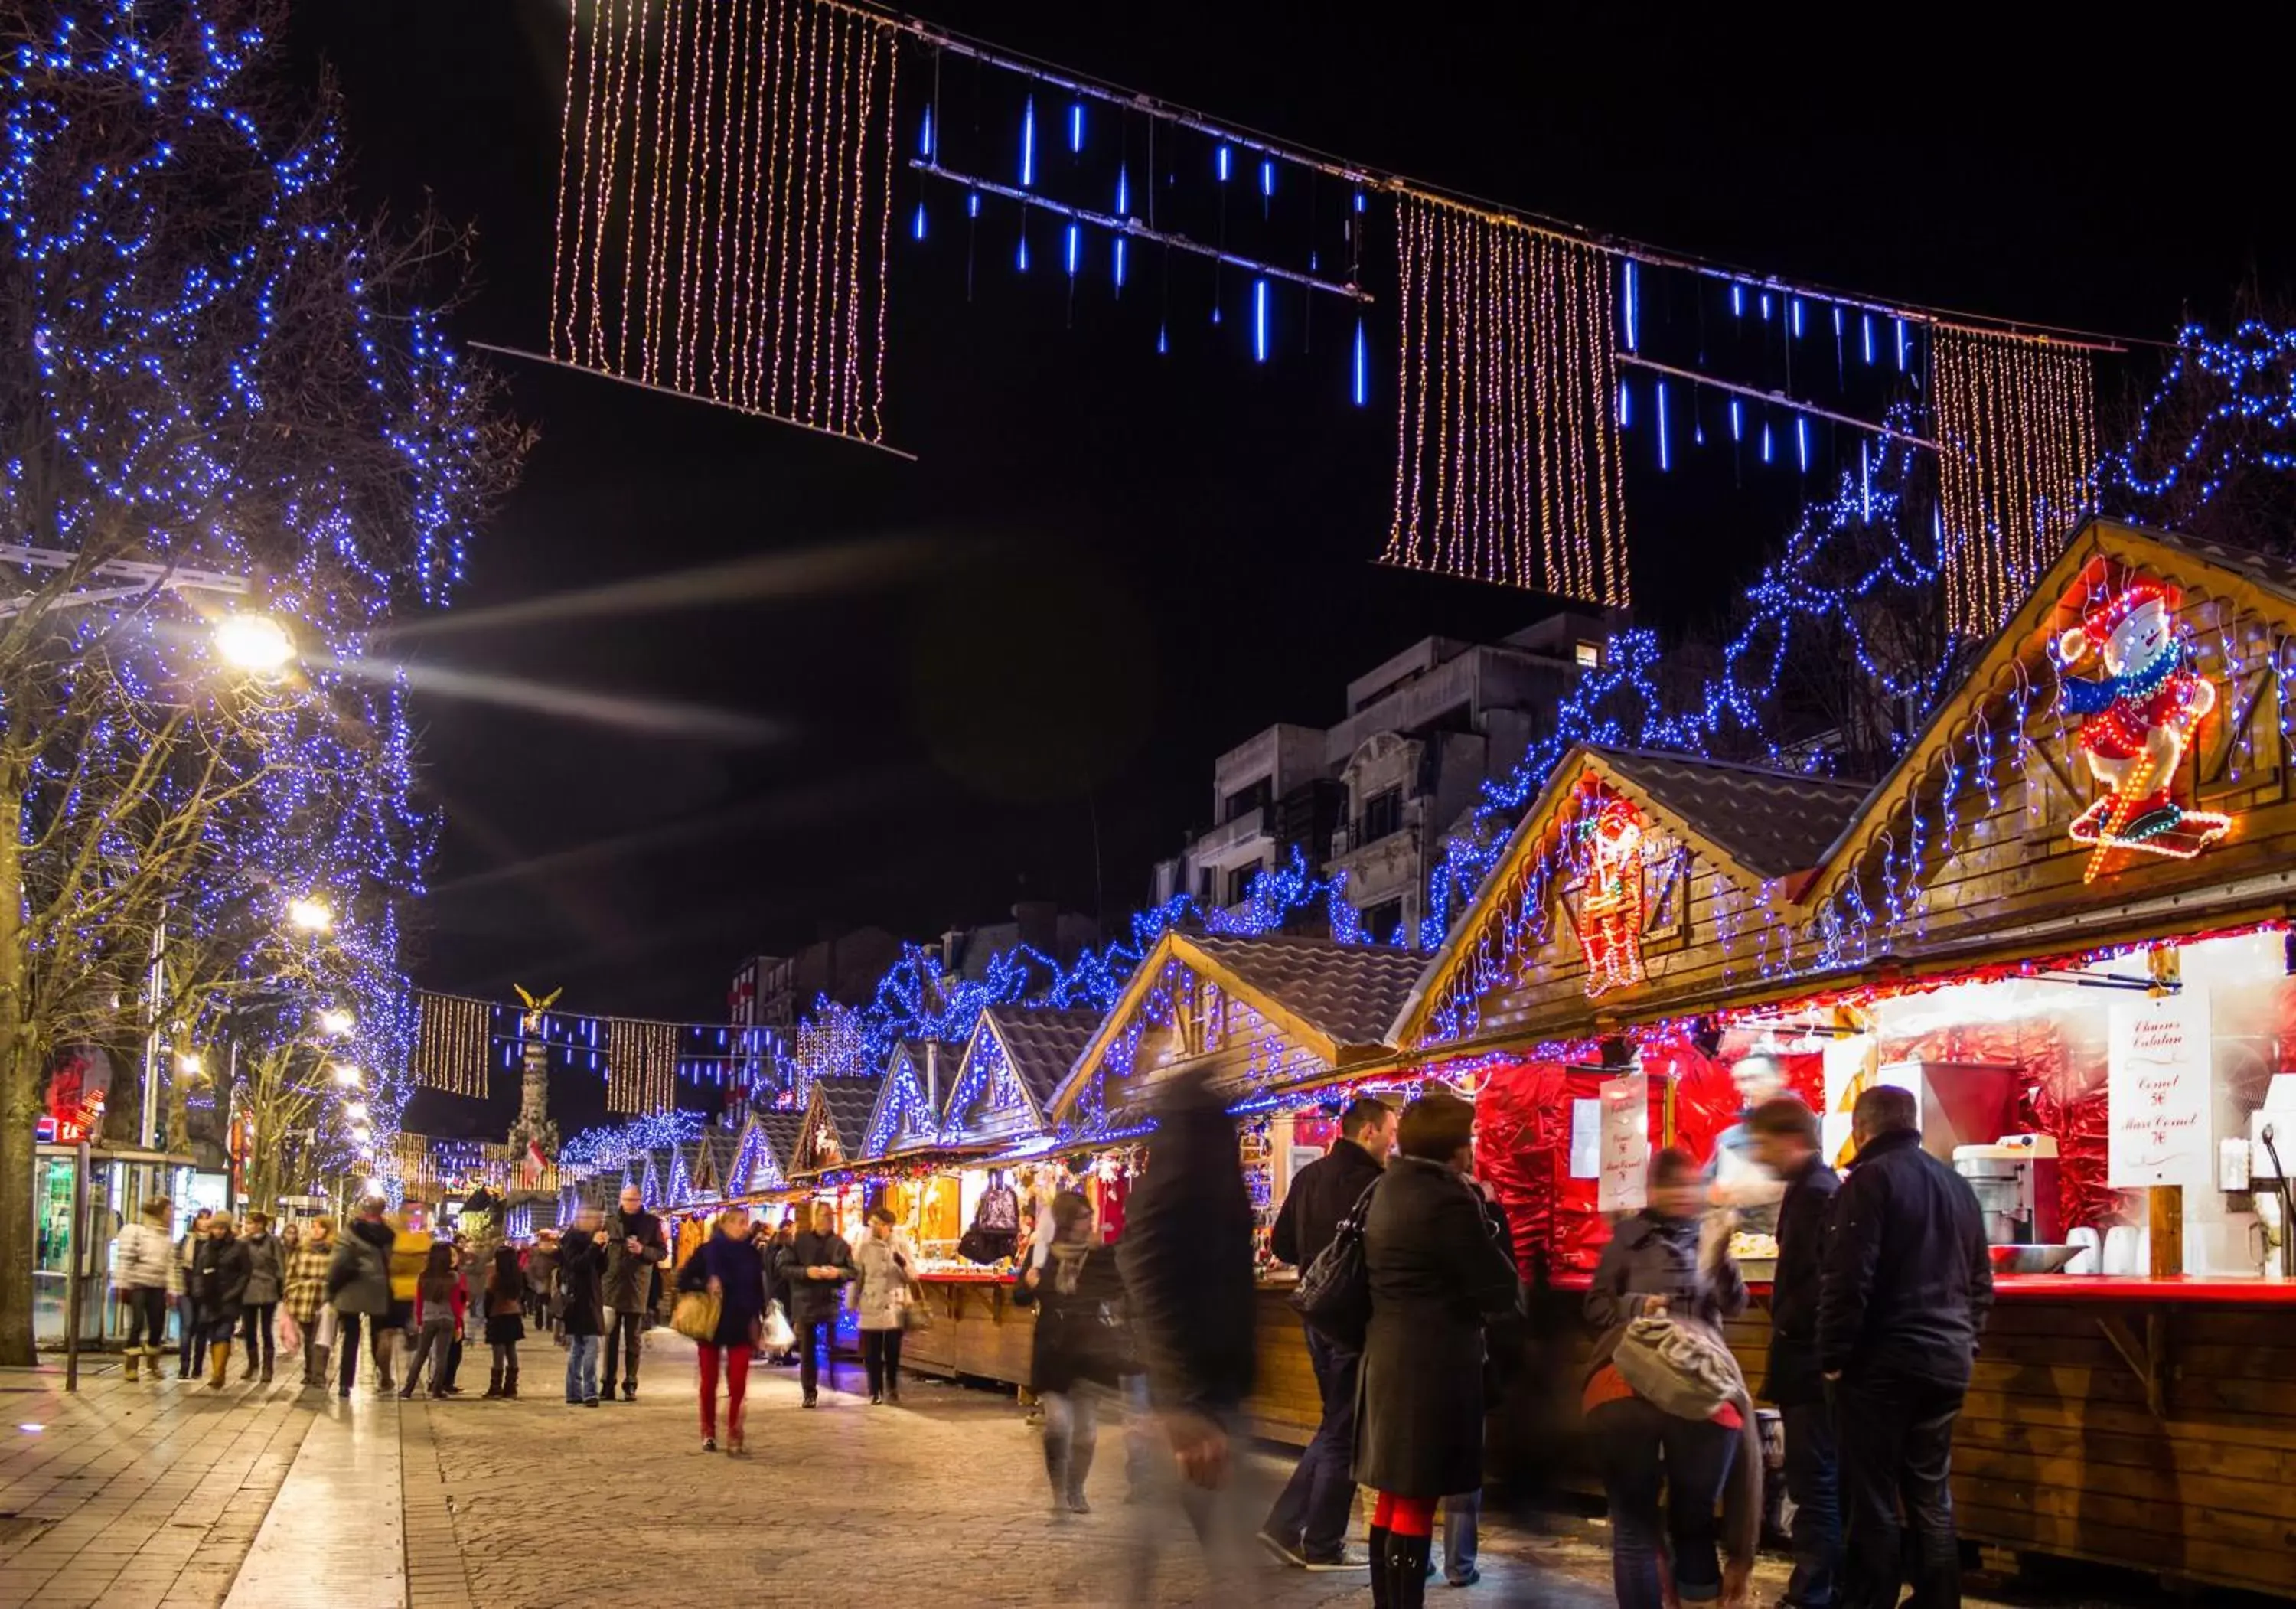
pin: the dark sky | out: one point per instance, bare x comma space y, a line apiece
1132, 563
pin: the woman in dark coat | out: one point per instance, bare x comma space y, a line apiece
727, 1264
216, 1283
1082, 1346
1438, 1277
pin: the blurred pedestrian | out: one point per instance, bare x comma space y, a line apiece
218, 1285
1907, 1284
265, 1272
142, 1258
358, 1287
581, 1265
505, 1308
1309, 1525
726, 1266
304, 1294
1666, 1261
778, 1282
191, 1341
881, 1289
439, 1300
1438, 1277
634, 1248
1081, 1352
818, 1261
1786, 1142
1463, 1511
1187, 1257
540, 1267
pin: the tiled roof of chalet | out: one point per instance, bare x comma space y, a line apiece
1774, 823
1348, 992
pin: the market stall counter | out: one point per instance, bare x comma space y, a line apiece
977, 1331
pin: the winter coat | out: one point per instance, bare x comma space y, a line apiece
217, 1280
1438, 1274
627, 1285
358, 1274
1908, 1278
880, 1274
142, 1258
581, 1265
1649, 1255
304, 1291
815, 1300
1322, 1193
1794, 1378
1187, 1257
265, 1268
1083, 1328
741, 1285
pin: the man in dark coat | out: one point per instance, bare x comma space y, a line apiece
635, 1246
1309, 1525
1785, 1141
1437, 1275
1907, 1283
1186, 1260
582, 1264
816, 1263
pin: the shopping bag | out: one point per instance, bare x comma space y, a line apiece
775, 1334
696, 1315
915, 1312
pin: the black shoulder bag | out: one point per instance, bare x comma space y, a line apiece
1333, 1298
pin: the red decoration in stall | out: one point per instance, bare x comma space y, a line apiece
1610, 908
2138, 720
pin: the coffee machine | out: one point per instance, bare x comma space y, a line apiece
2016, 1183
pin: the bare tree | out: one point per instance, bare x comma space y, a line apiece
221, 380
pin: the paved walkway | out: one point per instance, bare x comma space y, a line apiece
268, 1498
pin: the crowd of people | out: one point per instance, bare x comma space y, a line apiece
1881, 1288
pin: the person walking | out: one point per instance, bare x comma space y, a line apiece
191, 1341
304, 1294
219, 1285
358, 1287
1669, 1261
266, 1274
818, 1261
541, 1268
881, 1289
1463, 1512
581, 1266
1308, 1524
1081, 1351
777, 1272
635, 1247
1906, 1286
1438, 1277
143, 1260
439, 1300
726, 1266
505, 1308
1786, 1142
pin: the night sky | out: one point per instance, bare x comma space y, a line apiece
1020, 654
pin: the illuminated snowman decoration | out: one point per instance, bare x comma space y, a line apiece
2137, 721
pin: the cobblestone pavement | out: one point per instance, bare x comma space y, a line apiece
269, 1498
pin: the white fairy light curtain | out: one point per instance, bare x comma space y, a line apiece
641, 1065
453, 1038
1507, 460
724, 194
2017, 446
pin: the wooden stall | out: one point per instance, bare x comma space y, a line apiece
2084, 866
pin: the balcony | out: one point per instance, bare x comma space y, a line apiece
1214, 842
1373, 826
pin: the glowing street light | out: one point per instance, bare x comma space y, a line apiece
356, 1113
189, 1064
337, 1021
347, 1075
257, 644
309, 915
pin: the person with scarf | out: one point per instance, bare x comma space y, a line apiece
880, 1289
1082, 1346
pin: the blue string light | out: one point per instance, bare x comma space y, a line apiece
1866, 323
1074, 246
1627, 306
1659, 416
1259, 321
1076, 128
1360, 368
925, 135
1028, 142
917, 225
1801, 441
1267, 178
1737, 420
1797, 317
1117, 256
1222, 162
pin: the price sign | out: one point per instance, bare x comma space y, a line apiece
2158, 1093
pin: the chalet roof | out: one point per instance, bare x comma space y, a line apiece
849, 1101
1043, 1045
947, 1055
1349, 993
783, 1129
1772, 823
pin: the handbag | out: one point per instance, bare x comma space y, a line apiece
915, 1312
696, 1315
774, 1335
1679, 1369
1333, 1297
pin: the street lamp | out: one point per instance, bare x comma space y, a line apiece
337, 1021
347, 1075
257, 644
356, 1112
309, 915
189, 1064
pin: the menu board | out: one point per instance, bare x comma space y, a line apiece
1626, 1143
2158, 1073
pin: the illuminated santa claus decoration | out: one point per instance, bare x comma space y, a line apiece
1611, 901
2137, 721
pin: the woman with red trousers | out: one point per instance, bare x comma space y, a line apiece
727, 1265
